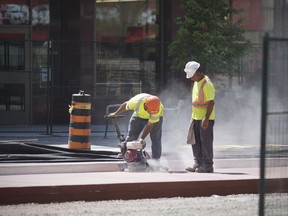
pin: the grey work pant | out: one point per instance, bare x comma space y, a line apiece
136, 125
203, 147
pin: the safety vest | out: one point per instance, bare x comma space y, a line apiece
139, 103
200, 103
138, 107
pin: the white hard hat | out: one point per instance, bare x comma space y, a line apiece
190, 68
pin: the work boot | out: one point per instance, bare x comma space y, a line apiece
193, 169
205, 169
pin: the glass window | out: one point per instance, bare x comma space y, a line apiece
14, 12
12, 52
12, 97
130, 21
126, 36
40, 19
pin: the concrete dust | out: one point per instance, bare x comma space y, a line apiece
235, 123
215, 205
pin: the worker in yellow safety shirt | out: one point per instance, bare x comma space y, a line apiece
147, 117
200, 134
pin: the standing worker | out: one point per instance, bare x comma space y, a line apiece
147, 116
200, 134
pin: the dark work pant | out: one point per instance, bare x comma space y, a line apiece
136, 125
203, 148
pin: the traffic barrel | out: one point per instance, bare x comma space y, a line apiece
80, 121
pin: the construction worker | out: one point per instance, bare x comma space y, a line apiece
147, 117
200, 133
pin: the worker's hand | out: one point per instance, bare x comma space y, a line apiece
205, 123
143, 143
111, 115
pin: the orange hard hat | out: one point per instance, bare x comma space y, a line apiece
153, 104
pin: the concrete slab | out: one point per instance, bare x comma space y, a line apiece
88, 185
91, 186
90, 181
58, 179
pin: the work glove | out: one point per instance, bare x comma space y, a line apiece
143, 143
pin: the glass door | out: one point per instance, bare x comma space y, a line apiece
14, 76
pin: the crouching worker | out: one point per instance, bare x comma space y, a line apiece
146, 118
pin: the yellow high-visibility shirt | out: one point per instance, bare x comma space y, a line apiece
136, 103
209, 94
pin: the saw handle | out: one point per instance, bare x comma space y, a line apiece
113, 117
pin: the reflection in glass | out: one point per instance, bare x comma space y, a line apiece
126, 36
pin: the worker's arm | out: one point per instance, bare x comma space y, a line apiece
147, 130
205, 121
120, 110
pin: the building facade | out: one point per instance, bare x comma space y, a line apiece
111, 49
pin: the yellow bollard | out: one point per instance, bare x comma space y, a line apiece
80, 121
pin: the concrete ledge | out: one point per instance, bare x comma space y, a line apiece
249, 162
92, 186
126, 191
40, 168
92, 181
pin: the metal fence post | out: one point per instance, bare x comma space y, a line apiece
49, 90
263, 125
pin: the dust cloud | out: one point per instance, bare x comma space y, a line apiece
237, 123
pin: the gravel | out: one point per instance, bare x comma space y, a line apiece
215, 205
